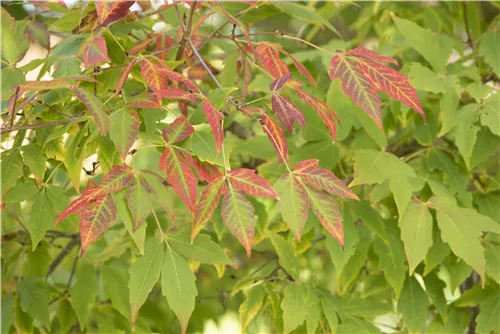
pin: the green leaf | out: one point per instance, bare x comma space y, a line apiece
412, 304
67, 315
7, 312
466, 131
285, 253
293, 306
34, 299
203, 249
138, 202
203, 146
304, 13
21, 192
41, 219
313, 310
492, 254
13, 44
11, 77
178, 286
95, 108
490, 116
433, 47
487, 320
123, 213
437, 253
423, 78
114, 280
252, 305
435, 289
12, 169
357, 261
416, 233
84, 292
489, 48
461, 229
392, 258
448, 104
123, 130
376, 167
38, 262
35, 160
218, 96
453, 176
144, 273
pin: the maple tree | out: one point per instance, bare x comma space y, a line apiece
167, 164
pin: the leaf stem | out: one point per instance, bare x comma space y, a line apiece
159, 225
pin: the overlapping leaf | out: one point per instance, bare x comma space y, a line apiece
95, 51
177, 77
124, 130
141, 45
151, 71
279, 82
95, 107
276, 136
287, 112
250, 183
144, 100
206, 205
238, 216
163, 43
324, 111
138, 200
156, 185
271, 60
111, 11
214, 118
95, 219
124, 75
300, 67
175, 94
114, 181
179, 175
206, 171
178, 130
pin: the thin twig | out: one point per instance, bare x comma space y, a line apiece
39, 125
75, 241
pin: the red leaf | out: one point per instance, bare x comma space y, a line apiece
152, 73
300, 67
367, 54
178, 130
287, 112
250, 183
124, 76
357, 86
271, 60
323, 179
111, 11
95, 52
175, 94
206, 171
144, 100
163, 41
238, 215
279, 82
177, 77
77, 204
141, 45
179, 175
327, 211
324, 111
115, 180
214, 118
276, 136
206, 205
95, 219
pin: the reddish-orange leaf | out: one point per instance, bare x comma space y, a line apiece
152, 72
323, 179
177, 77
279, 82
144, 100
271, 60
95, 219
178, 130
276, 136
393, 83
141, 45
324, 111
175, 94
250, 183
327, 211
179, 175
111, 11
357, 86
124, 76
237, 23
115, 180
287, 112
163, 44
367, 54
206, 205
214, 118
238, 215
78, 204
300, 67
206, 171
95, 51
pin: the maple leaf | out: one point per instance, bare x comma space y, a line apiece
78, 204
124, 75
95, 219
157, 187
95, 52
250, 183
207, 203
287, 112
112, 11
179, 175
271, 60
362, 75
323, 179
115, 180
324, 111
178, 130
214, 118
238, 216
151, 71
206, 171
276, 136
163, 43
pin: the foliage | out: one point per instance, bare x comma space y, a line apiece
164, 166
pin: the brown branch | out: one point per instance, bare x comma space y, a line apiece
186, 29
38, 125
467, 26
75, 241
